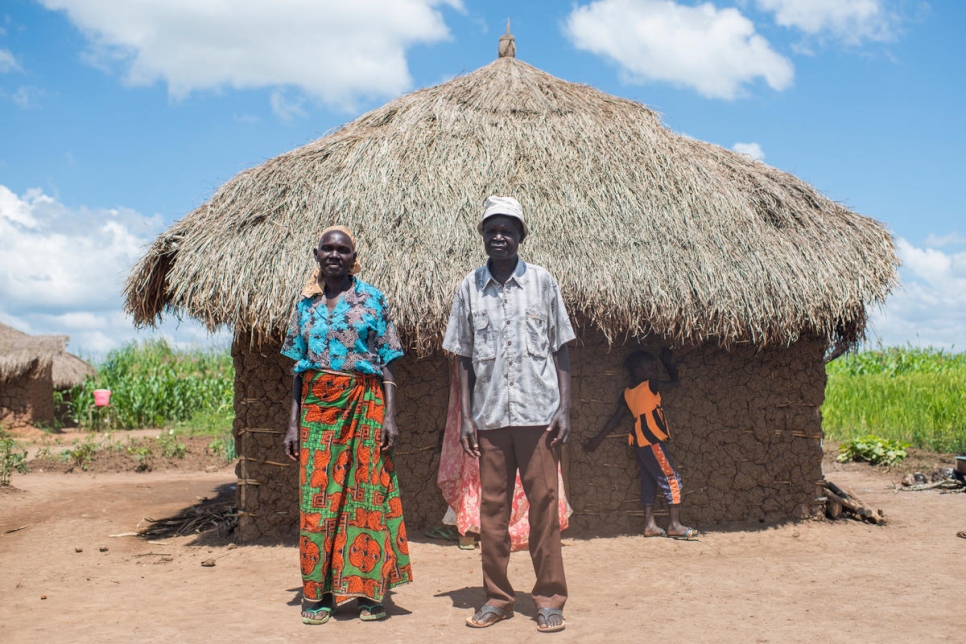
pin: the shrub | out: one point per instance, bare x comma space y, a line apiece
170, 446
80, 454
13, 458
224, 445
872, 449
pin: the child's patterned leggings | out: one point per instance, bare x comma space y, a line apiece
657, 470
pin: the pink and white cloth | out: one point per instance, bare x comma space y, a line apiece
459, 481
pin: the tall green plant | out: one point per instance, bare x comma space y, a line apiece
897, 361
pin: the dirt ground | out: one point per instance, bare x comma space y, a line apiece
68, 576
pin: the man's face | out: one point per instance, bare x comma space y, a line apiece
501, 236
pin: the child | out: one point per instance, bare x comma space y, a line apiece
642, 401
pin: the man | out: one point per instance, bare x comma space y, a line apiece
509, 328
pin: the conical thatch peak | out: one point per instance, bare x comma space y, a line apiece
646, 231
508, 44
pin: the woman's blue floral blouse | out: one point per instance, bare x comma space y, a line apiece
358, 336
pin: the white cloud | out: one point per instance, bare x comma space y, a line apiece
938, 241
246, 119
27, 96
930, 307
286, 108
335, 50
8, 63
62, 271
715, 51
752, 150
852, 21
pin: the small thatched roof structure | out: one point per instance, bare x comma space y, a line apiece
21, 353
647, 231
70, 371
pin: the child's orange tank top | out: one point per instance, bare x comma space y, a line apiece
649, 424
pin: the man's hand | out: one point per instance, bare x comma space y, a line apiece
560, 423
390, 433
468, 437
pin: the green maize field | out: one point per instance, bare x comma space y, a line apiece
155, 385
907, 394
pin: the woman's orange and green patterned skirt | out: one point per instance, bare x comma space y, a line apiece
352, 538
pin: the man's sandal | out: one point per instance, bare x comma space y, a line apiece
317, 616
481, 618
546, 614
371, 612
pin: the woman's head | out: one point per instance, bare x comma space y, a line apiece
336, 253
641, 365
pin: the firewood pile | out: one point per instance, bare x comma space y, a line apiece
222, 517
944, 479
840, 503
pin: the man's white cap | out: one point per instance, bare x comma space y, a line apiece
508, 206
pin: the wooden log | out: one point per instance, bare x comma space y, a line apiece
835, 489
833, 509
848, 503
844, 501
868, 512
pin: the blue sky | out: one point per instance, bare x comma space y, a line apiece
118, 117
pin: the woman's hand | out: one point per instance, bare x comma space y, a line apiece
390, 433
291, 442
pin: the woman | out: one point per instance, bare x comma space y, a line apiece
352, 539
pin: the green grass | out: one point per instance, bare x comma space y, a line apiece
155, 385
905, 394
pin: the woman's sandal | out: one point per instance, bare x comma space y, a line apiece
371, 612
442, 532
546, 614
480, 618
317, 616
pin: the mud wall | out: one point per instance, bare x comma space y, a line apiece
28, 400
745, 429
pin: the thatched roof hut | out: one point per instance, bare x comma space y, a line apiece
651, 235
31, 368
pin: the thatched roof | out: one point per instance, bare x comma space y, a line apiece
646, 231
21, 353
70, 371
